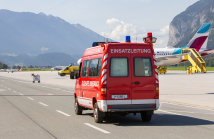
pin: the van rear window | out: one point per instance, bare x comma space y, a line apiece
142, 66
119, 67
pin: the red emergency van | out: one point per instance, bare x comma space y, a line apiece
118, 78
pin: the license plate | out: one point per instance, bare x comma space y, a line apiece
119, 96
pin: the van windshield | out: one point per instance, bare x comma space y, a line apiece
119, 67
142, 66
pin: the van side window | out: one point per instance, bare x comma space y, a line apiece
80, 66
142, 67
119, 67
95, 67
85, 68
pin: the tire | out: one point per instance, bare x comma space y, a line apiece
38, 81
71, 75
78, 109
97, 114
146, 117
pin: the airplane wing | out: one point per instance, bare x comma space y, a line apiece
167, 57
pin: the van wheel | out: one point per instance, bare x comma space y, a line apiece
97, 114
71, 75
145, 117
77, 107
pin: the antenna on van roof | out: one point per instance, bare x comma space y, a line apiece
136, 35
104, 37
111, 33
106, 40
120, 35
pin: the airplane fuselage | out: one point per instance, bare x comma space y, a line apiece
163, 52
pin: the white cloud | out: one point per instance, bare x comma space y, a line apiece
137, 0
163, 36
164, 31
121, 29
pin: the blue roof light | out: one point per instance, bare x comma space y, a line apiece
128, 39
94, 44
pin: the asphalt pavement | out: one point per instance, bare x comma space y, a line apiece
32, 110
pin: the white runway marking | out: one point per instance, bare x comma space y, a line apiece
30, 98
43, 104
187, 106
182, 111
9, 89
63, 113
66, 91
183, 115
97, 128
20, 94
14, 91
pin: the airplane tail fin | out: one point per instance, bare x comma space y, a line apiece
201, 38
20, 69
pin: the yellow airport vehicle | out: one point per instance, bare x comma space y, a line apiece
198, 64
162, 69
72, 71
189, 70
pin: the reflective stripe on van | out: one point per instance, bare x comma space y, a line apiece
156, 70
104, 70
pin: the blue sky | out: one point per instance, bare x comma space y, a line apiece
111, 18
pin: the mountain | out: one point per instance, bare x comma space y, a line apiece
186, 24
52, 59
47, 59
30, 33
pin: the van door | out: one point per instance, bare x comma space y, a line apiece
143, 78
119, 75
84, 99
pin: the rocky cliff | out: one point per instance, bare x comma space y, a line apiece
185, 25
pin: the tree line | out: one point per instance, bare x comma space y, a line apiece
3, 65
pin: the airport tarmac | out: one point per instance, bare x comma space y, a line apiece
176, 87
46, 110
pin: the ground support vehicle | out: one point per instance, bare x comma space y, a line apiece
162, 69
118, 78
72, 71
36, 78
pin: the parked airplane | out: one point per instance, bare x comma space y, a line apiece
58, 68
170, 56
14, 70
